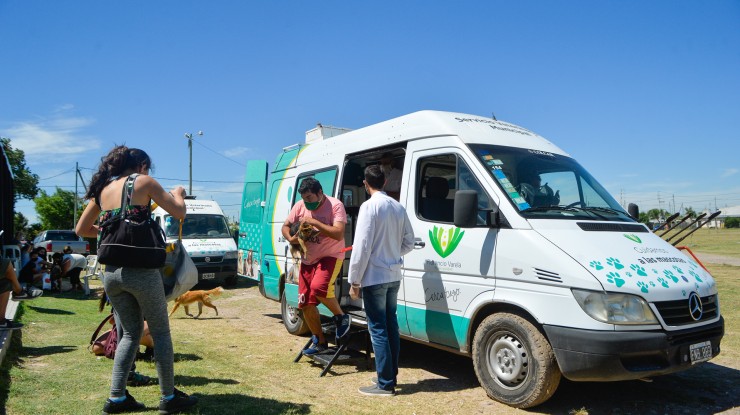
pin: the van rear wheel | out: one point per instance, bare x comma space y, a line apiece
292, 318
514, 362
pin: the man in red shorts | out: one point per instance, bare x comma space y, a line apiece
323, 261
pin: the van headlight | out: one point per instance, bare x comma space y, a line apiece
230, 255
615, 308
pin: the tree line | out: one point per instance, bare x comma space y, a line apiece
55, 211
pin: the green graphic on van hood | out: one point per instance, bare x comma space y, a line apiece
444, 241
633, 237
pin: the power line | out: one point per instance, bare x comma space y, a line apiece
51, 177
216, 152
199, 181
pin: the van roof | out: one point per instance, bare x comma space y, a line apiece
423, 124
195, 206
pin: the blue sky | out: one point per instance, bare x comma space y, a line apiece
645, 95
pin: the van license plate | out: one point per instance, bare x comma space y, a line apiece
700, 352
212, 275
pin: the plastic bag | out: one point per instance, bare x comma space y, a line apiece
179, 273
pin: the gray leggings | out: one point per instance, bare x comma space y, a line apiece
135, 294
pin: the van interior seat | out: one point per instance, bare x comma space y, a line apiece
435, 205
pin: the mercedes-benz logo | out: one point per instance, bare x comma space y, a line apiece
696, 309
208, 259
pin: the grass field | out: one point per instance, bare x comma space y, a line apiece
713, 241
241, 362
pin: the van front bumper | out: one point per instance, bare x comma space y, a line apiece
215, 271
589, 355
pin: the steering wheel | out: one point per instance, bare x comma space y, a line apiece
575, 204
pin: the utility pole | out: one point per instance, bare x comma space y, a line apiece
78, 174
189, 136
74, 215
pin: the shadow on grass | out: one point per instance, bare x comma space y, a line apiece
455, 372
703, 390
43, 310
45, 351
224, 404
275, 316
200, 380
187, 357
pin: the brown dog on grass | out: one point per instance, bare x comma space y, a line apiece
305, 232
201, 296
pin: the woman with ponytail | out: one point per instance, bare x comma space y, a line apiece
135, 293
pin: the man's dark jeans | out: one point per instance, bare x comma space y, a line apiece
381, 301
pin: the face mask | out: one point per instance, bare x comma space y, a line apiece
313, 205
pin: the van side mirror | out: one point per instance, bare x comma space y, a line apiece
634, 211
466, 208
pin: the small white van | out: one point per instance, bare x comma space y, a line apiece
206, 237
522, 260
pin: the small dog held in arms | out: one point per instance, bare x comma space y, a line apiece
305, 232
202, 297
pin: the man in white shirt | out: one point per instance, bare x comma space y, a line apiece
382, 236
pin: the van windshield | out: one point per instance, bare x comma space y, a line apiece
546, 185
200, 226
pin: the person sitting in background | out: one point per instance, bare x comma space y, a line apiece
8, 283
72, 266
26, 253
29, 276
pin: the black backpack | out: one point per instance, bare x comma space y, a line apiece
126, 243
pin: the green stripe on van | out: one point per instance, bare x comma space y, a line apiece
436, 326
433, 326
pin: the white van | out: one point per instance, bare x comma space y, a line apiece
522, 260
206, 237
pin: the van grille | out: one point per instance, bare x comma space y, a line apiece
547, 275
611, 227
676, 313
212, 259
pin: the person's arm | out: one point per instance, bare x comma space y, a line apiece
334, 231
66, 264
286, 233
173, 201
86, 225
363, 241
293, 240
407, 245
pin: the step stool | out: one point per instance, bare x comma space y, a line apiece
341, 352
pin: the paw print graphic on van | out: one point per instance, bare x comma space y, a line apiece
669, 274
695, 275
663, 282
613, 278
643, 286
615, 263
679, 270
639, 270
597, 265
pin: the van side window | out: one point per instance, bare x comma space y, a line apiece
327, 178
438, 178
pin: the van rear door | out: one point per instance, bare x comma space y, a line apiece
250, 222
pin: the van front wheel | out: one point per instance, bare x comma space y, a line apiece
292, 319
514, 362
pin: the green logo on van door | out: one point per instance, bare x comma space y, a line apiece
444, 241
633, 238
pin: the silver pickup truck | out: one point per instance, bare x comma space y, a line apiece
56, 240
